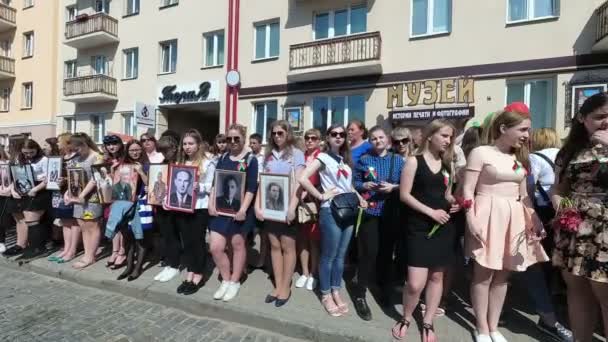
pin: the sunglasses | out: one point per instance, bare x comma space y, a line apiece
337, 134
403, 141
143, 140
311, 137
278, 133
234, 140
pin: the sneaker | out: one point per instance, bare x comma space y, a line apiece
170, 274
496, 336
557, 332
2, 248
13, 251
363, 309
310, 283
161, 274
233, 290
301, 282
483, 338
219, 294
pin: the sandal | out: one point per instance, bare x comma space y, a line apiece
335, 311
79, 265
116, 265
110, 262
343, 306
53, 258
426, 329
398, 328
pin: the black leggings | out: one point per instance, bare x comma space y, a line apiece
5, 218
170, 245
192, 228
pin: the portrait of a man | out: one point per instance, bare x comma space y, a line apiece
122, 190
181, 195
159, 189
230, 200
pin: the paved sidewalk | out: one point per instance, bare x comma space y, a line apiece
303, 317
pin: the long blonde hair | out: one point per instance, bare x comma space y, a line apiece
290, 140
508, 119
200, 155
428, 131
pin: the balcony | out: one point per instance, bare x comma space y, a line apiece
7, 68
8, 17
92, 88
353, 55
601, 37
89, 31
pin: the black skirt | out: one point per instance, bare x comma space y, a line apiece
40, 202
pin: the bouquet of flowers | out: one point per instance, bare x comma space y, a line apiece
568, 218
464, 204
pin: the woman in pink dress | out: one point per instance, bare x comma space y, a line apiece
503, 230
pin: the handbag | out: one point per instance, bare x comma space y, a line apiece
344, 209
308, 212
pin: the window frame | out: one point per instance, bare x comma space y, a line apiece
71, 122
129, 126
171, 52
5, 102
255, 118
105, 64
430, 20
24, 95
66, 64
134, 63
8, 52
330, 111
102, 129
216, 40
530, 9
132, 3
25, 44
168, 3
69, 17
551, 100
28, 4
332, 19
266, 24
105, 6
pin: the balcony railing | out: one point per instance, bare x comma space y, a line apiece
91, 84
602, 22
8, 13
99, 22
7, 65
341, 50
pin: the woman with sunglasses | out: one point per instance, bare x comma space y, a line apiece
282, 157
401, 141
334, 168
377, 177
114, 155
308, 239
148, 141
224, 228
88, 211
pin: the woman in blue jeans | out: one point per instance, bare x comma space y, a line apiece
334, 168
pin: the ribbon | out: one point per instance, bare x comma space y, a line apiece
517, 166
342, 172
359, 216
242, 165
446, 177
371, 174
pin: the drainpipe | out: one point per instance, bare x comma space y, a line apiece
235, 93
229, 61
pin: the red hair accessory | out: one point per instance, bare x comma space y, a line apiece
518, 107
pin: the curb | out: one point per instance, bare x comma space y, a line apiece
206, 309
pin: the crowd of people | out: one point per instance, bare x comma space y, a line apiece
406, 206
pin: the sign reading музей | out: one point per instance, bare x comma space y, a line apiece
449, 98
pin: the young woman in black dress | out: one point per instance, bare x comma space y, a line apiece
425, 189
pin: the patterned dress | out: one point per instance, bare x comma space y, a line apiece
585, 253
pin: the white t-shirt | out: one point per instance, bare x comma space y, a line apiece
543, 172
334, 175
156, 157
206, 172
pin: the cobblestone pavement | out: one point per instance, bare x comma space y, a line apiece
37, 308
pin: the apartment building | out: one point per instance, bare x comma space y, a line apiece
28, 64
132, 65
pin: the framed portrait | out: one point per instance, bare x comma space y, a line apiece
181, 190
229, 191
124, 187
293, 115
53, 173
5, 176
275, 195
77, 180
581, 92
23, 177
157, 183
103, 178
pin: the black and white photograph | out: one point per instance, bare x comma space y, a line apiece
103, 179
157, 183
23, 177
5, 176
182, 195
275, 196
77, 180
229, 191
53, 173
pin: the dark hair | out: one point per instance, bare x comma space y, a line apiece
168, 145
30, 144
256, 136
578, 138
114, 140
143, 158
344, 149
170, 133
220, 138
471, 139
53, 142
83, 139
225, 183
376, 128
270, 185
3, 155
147, 136
360, 125
290, 140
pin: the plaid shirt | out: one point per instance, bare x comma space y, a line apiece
381, 166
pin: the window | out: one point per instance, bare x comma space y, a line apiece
132, 7
69, 125
128, 124
70, 69
214, 48
130, 63
28, 3
524, 10
102, 6
539, 95
100, 65
71, 13
168, 56
337, 109
431, 17
5, 48
264, 114
165, 3
267, 40
5, 100
28, 44
28, 95
98, 128
339, 23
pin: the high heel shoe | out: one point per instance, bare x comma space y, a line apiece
280, 302
111, 263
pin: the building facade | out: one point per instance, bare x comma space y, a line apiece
128, 66
28, 67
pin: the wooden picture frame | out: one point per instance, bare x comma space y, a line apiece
53, 173
226, 202
181, 190
5, 176
77, 181
103, 179
157, 184
275, 194
581, 92
124, 187
23, 178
